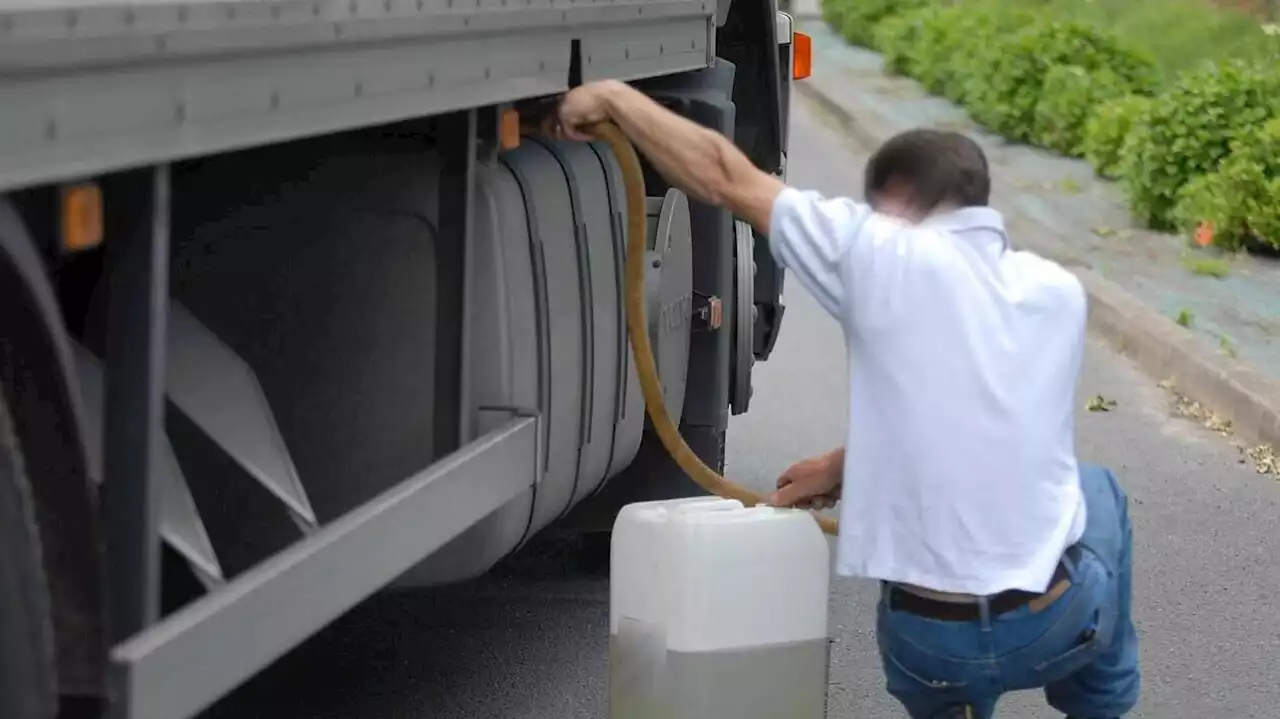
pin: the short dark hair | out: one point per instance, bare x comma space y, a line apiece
937, 166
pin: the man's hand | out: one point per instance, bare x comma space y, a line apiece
582, 107
811, 483
701, 162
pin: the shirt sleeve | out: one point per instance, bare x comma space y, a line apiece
811, 236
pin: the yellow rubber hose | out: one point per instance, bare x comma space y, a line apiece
642, 351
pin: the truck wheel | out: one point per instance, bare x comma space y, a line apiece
27, 673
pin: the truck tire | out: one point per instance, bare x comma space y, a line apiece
27, 665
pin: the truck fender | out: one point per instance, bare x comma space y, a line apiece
37, 377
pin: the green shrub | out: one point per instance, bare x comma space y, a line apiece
1189, 131
955, 43
1056, 73
1179, 34
897, 38
859, 19
833, 12
1004, 98
942, 31
1240, 201
1106, 130
1067, 100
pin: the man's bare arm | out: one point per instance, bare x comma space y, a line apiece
701, 162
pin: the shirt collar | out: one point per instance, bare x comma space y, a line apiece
976, 223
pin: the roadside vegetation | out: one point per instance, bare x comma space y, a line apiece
1176, 100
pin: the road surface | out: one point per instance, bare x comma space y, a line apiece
532, 643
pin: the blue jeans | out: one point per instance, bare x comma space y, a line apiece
1082, 649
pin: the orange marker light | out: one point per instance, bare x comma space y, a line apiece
801, 56
80, 215
509, 129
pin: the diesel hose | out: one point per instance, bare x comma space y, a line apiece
642, 351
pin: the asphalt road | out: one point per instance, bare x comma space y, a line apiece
532, 642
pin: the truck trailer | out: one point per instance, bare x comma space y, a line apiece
291, 310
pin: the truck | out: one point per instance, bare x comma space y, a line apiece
292, 310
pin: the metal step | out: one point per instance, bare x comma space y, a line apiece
180, 523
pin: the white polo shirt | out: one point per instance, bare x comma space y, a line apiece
960, 469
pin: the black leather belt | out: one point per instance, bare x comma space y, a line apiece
901, 600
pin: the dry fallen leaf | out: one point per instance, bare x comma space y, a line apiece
1263, 456
1264, 460
1098, 403
1192, 409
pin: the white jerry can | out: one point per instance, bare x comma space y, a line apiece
717, 611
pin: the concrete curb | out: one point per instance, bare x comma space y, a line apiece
1161, 348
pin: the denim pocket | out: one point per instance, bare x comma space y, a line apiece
1085, 628
1088, 645
897, 673
911, 668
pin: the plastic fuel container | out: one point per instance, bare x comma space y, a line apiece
717, 611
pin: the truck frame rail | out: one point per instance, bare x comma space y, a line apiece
191, 658
100, 85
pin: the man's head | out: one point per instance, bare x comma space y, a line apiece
919, 172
